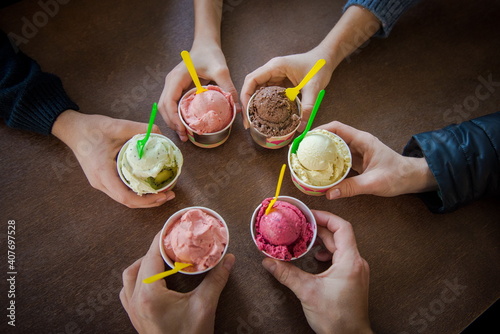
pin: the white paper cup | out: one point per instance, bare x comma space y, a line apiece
166, 229
206, 140
165, 188
310, 189
271, 142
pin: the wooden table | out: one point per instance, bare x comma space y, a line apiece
429, 273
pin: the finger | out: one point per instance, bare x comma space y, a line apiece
352, 186
268, 73
215, 281
117, 190
287, 274
327, 238
225, 82
129, 278
343, 234
152, 264
323, 255
176, 82
308, 99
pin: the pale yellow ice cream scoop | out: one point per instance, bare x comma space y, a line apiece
322, 158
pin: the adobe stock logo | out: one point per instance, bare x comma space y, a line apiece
424, 316
483, 91
30, 28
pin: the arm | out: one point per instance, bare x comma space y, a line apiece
464, 160
208, 59
36, 101
153, 308
336, 300
30, 99
360, 21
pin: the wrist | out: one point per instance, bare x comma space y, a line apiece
64, 126
420, 176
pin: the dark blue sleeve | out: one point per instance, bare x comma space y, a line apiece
387, 11
29, 98
464, 159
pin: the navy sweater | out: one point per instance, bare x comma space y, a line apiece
29, 98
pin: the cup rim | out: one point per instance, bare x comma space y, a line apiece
305, 210
299, 105
125, 146
328, 186
191, 92
173, 218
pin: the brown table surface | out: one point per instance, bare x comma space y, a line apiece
429, 273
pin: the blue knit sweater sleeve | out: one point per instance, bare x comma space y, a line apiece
29, 98
387, 11
464, 159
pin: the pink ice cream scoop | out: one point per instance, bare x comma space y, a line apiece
284, 233
207, 112
197, 238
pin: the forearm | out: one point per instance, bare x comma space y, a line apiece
207, 21
353, 29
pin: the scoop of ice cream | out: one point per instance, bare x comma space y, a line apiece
322, 158
272, 113
284, 233
208, 112
158, 166
197, 238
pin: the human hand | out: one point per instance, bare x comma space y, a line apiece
336, 300
153, 308
288, 71
382, 171
96, 140
210, 66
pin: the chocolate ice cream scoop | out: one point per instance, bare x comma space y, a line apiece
272, 113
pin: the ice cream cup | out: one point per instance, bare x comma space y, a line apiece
308, 188
273, 142
165, 188
206, 140
302, 207
175, 217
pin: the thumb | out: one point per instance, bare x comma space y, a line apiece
216, 280
287, 274
308, 99
350, 187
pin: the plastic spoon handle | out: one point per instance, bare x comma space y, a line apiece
319, 64
278, 188
142, 143
296, 141
177, 266
292, 93
186, 57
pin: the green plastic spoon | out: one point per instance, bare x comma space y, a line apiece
141, 143
296, 141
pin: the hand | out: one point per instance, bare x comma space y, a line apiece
96, 140
210, 65
153, 308
335, 301
382, 171
288, 71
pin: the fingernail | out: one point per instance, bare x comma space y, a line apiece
229, 262
333, 194
269, 264
169, 197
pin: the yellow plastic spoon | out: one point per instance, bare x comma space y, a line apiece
192, 71
292, 93
177, 266
278, 188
